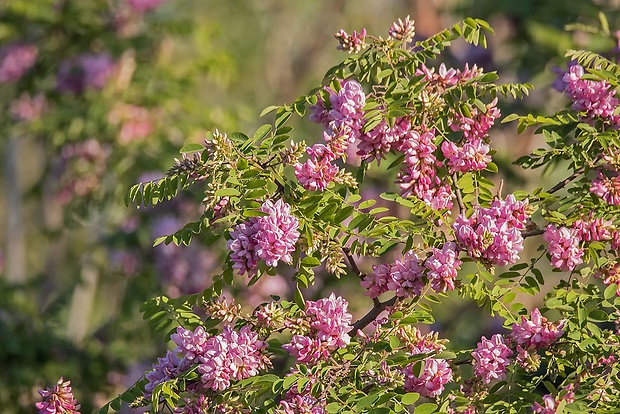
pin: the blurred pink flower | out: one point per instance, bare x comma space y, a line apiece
144, 5
28, 108
16, 60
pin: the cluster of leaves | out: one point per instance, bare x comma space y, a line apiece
338, 227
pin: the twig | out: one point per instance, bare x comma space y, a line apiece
459, 196
356, 270
564, 182
536, 232
372, 315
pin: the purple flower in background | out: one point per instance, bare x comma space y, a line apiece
15, 60
85, 71
58, 400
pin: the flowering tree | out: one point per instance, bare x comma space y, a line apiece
288, 207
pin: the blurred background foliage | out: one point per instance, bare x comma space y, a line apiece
118, 87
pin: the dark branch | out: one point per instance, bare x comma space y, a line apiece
536, 232
564, 182
372, 315
356, 270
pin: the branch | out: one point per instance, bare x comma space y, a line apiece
459, 196
356, 270
564, 182
531, 233
372, 315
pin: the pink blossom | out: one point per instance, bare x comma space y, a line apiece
403, 30
493, 234
434, 377
407, 276
167, 368
490, 359
377, 142
594, 229
442, 266
298, 401
344, 116
58, 400
142, 6
537, 332
271, 238
444, 77
330, 319
607, 188
231, 355
472, 156
135, 122
28, 108
610, 274
16, 60
351, 43
551, 403
563, 247
377, 281
478, 124
595, 98
200, 404
317, 172
190, 344
307, 350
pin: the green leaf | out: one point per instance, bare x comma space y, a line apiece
333, 407
261, 132
223, 192
268, 110
410, 398
426, 408
192, 147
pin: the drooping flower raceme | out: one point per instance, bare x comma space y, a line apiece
231, 355
596, 98
490, 359
271, 238
494, 234
15, 61
58, 400
329, 323
432, 379
190, 344
318, 171
443, 265
563, 247
476, 125
472, 156
607, 188
536, 332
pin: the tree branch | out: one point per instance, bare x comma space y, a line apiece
564, 182
531, 233
459, 196
372, 315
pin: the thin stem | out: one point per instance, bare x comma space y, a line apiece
536, 232
564, 182
354, 268
459, 196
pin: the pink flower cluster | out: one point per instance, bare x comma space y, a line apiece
477, 124
84, 72
408, 275
445, 77
494, 234
231, 355
607, 187
491, 358
318, 171
28, 108
271, 238
610, 274
536, 332
551, 403
135, 121
342, 124
351, 43
16, 60
166, 368
419, 174
403, 30
563, 247
190, 344
433, 378
58, 400
472, 156
594, 229
596, 98
329, 322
